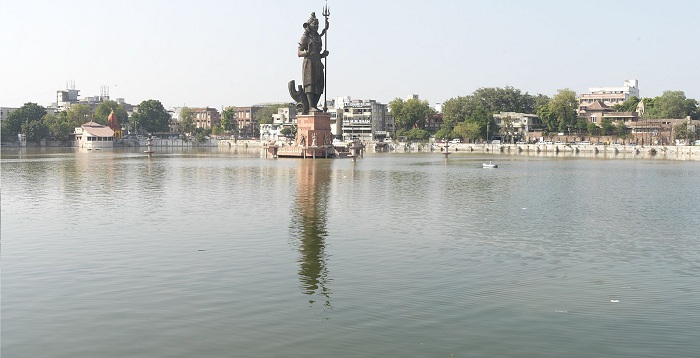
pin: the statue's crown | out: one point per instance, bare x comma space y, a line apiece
312, 18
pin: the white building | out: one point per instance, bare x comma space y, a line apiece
521, 123
271, 132
93, 135
366, 120
5, 111
285, 116
609, 96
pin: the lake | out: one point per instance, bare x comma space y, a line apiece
223, 253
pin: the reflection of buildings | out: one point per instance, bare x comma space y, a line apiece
308, 227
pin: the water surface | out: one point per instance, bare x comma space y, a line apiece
227, 254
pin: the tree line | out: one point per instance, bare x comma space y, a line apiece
32, 120
471, 116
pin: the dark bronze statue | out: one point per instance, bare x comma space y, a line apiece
313, 77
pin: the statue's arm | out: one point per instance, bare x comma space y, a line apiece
325, 28
303, 49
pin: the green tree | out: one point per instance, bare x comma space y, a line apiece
264, 114
621, 130
35, 130
445, 133
60, 126
541, 100
593, 129
484, 120
548, 118
28, 113
648, 104
683, 131
200, 134
79, 114
506, 99
673, 104
493, 100
563, 107
151, 116
411, 113
468, 130
581, 125
629, 105
456, 110
228, 119
104, 109
186, 118
607, 127
507, 129
289, 132
418, 134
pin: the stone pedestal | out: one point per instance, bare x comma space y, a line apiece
314, 129
314, 138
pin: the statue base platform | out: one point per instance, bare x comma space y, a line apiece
314, 138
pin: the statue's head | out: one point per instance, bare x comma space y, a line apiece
312, 23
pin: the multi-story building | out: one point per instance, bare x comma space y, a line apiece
609, 96
520, 124
644, 131
5, 111
206, 117
434, 122
365, 120
286, 117
245, 120
64, 98
598, 111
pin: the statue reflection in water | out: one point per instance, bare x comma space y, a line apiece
308, 228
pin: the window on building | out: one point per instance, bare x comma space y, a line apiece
593, 119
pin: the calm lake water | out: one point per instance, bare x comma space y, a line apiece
227, 254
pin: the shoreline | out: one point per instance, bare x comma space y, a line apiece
691, 153
655, 152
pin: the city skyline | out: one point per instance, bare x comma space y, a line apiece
241, 53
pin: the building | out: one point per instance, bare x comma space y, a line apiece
206, 117
5, 111
245, 121
609, 96
598, 111
65, 98
434, 122
114, 124
366, 120
520, 124
93, 135
286, 117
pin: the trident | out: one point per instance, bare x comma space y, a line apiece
326, 13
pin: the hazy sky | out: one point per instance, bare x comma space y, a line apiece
231, 52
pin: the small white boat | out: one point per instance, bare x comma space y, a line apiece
489, 165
